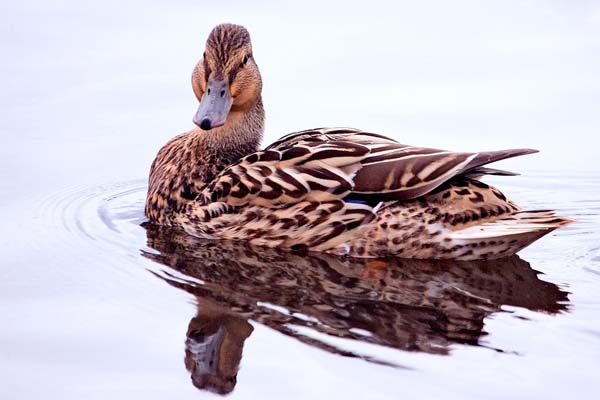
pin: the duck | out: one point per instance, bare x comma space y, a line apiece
342, 191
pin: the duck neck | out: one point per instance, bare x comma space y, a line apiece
186, 164
240, 136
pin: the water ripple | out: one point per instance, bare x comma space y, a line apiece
353, 308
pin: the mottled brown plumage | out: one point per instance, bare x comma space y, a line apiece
191, 160
337, 190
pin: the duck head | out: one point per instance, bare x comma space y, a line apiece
226, 80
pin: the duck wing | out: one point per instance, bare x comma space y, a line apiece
331, 164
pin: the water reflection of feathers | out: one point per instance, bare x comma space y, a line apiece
414, 305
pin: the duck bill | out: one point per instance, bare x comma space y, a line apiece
214, 106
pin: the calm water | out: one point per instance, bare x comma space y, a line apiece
108, 305
95, 304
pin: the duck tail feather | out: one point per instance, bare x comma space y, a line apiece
508, 235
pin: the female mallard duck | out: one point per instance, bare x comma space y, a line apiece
340, 191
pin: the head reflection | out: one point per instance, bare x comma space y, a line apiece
412, 305
213, 348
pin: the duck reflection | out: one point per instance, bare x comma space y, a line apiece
413, 305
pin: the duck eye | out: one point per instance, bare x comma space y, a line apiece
204, 55
245, 60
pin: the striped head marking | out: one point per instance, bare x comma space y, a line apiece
226, 78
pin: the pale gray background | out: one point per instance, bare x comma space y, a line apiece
100, 86
90, 90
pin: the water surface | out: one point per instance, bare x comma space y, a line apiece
110, 302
